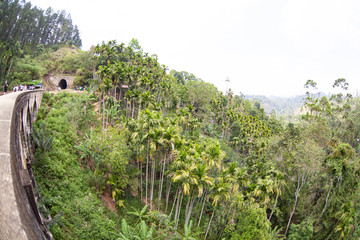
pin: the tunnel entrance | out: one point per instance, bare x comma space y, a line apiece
63, 84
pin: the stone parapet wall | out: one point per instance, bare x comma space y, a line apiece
19, 216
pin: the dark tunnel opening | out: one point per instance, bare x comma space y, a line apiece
63, 84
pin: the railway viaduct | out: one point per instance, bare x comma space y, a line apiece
19, 215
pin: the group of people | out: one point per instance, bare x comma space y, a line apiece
22, 88
17, 88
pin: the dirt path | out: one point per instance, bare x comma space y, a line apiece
108, 200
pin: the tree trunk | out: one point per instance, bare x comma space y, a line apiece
178, 208
133, 109
301, 183
139, 107
187, 209
168, 188
272, 211
161, 182
152, 182
107, 118
11, 62
103, 111
86, 103
225, 222
202, 209
176, 194
147, 174
327, 197
191, 205
141, 181
233, 216
126, 108
99, 105
199, 201
207, 231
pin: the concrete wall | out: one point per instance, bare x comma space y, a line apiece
19, 216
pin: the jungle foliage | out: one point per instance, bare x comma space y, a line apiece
29, 30
174, 158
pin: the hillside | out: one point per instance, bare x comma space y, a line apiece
285, 107
281, 105
175, 157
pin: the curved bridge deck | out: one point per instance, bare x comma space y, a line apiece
19, 216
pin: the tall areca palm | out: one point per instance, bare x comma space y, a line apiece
154, 145
184, 166
105, 74
145, 98
203, 180
148, 122
236, 179
220, 191
129, 95
141, 136
168, 139
136, 95
214, 155
137, 139
186, 179
183, 117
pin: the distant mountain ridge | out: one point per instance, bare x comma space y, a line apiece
281, 105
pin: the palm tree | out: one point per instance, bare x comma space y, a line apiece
146, 98
214, 155
184, 167
168, 139
128, 96
186, 178
148, 122
203, 181
220, 191
154, 135
136, 95
236, 178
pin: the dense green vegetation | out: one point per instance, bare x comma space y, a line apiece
27, 29
206, 164
148, 153
76, 211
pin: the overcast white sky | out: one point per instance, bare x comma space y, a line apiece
264, 47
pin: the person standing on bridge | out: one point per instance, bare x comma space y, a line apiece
5, 87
